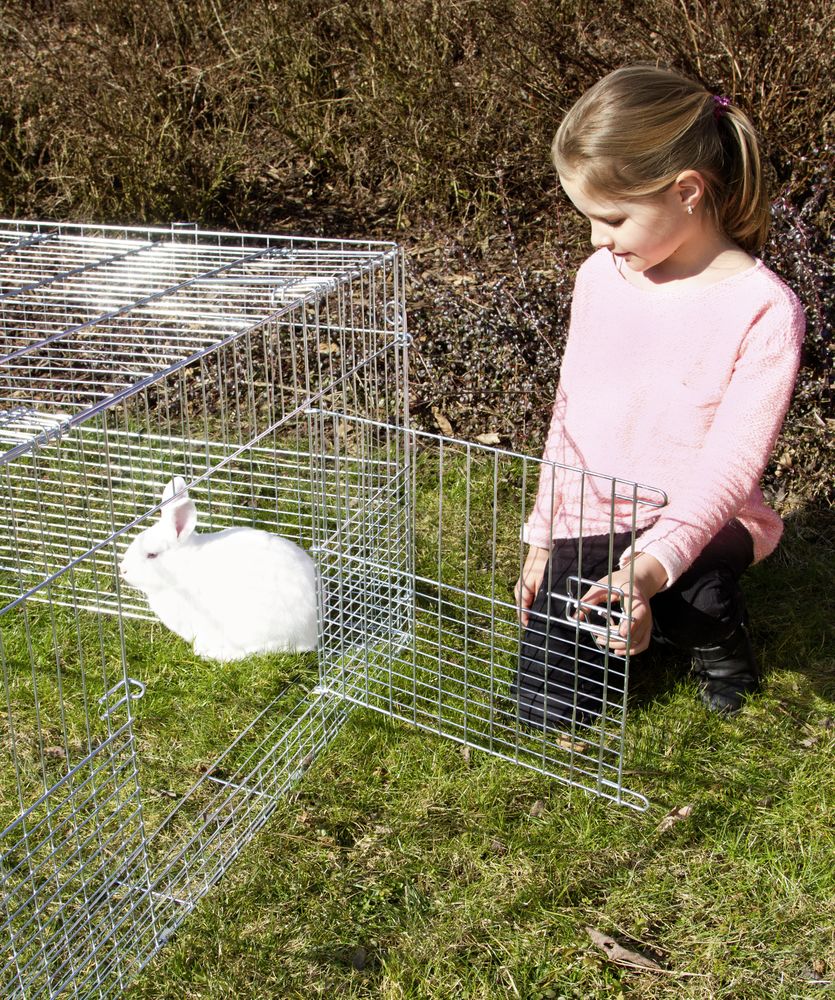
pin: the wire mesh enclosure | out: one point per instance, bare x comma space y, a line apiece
421, 621
271, 373
128, 357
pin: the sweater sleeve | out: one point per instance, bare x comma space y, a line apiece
538, 530
738, 444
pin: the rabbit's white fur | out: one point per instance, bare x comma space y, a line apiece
231, 592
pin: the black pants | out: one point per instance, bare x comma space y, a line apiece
565, 677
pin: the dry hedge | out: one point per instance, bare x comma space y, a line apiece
429, 120
252, 112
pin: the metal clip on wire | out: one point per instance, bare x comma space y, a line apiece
609, 616
122, 688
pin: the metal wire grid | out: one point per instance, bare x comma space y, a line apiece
182, 404
212, 376
85, 318
89, 896
89, 892
421, 622
64, 865
41, 532
107, 389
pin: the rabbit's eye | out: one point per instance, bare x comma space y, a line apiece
151, 555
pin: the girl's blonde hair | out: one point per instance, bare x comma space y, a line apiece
638, 128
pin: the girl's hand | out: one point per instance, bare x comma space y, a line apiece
648, 577
530, 580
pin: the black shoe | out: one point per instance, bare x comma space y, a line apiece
727, 672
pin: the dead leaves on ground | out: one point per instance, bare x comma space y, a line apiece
616, 953
442, 421
635, 961
817, 732
488, 438
674, 816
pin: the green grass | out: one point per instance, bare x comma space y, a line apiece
433, 866
402, 866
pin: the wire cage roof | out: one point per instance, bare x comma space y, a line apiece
91, 313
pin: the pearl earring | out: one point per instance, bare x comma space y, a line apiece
689, 209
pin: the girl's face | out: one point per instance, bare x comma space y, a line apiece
651, 234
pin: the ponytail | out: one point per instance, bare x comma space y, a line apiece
638, 128
741, 202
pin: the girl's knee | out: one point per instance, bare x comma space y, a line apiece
704, 613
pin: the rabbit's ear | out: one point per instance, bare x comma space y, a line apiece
183, 518
177, 485
180, 516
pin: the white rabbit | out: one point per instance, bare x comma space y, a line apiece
231, 592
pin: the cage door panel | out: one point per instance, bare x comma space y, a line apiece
419, 550
76, 910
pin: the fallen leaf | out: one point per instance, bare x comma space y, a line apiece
498, 846
674, 816
537, 809
326, 348
491, 438
816, 973
617, 953
465, 752
442, 422
810, 741
359, 958
57, 752
573, 745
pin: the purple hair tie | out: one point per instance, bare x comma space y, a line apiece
719, 105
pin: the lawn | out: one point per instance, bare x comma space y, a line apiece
402, 864
406, 866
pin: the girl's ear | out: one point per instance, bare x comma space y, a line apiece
690, 187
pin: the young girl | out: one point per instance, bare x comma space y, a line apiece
681, 357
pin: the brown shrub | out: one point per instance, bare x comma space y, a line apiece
257, 113
365, 118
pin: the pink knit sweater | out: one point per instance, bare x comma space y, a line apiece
684, 390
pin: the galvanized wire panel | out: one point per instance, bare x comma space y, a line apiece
70, 805
129, 356
90, 314
420, 620
271, 373
212, 339
114, 480
94, 877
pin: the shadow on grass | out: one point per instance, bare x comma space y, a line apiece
791, 604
